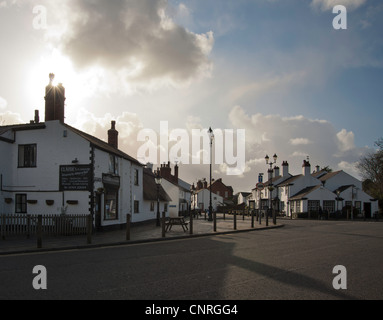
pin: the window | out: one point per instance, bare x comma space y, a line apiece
27, 156
113, 164
136, 177
313, 205
111, 204
21, 203
136, 206
329, 206
298, 206
152, 206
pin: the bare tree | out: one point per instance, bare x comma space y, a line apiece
371, 169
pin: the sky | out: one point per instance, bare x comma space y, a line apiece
277, 70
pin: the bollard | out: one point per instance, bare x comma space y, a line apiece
235, 220
191, 224
163, 224
89, 229
39, 231
215, 221
252, 218
128, 220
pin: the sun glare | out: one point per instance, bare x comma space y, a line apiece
78, 85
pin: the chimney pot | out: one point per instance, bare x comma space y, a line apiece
113, 136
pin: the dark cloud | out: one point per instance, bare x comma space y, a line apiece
133, 37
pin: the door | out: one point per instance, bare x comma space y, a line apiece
367, 209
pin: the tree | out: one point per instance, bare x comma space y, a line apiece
370, 167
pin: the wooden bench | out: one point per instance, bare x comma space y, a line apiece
178, 221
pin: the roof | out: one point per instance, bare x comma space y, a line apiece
102, 145
98, 143
304, 192
290, 180
342, 188
150, 187
245, 194
329, 176
22, 127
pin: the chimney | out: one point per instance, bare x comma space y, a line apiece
306, 168
176, 172
37, 116
165, 171
317, 168
54, 101
276, 171
285, 169
113, 136
149, 166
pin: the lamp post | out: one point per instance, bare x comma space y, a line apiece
158, 180
270, 171
211, 137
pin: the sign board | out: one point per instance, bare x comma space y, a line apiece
260, 186
111, 180
75, 178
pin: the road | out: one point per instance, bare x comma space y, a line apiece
294, 262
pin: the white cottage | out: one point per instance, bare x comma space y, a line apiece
50, 167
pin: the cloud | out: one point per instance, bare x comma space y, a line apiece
3, 103
298, 141
8, 118
134, 39
329, 4
346, 140
322, 142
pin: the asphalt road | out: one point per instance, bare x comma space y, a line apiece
294, 262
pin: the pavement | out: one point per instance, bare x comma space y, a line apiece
139, 233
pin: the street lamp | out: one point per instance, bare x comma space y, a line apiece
211, 137
158, 180
270, 171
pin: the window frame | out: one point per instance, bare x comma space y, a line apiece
22, 160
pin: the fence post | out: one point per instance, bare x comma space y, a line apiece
163, 224
2, 227
39, 231
191, 224
128, 219
28, 226
89, 229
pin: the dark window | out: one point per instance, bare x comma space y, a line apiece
136, 177
136, 206
111, 204
27, 156
152, 206
21, 203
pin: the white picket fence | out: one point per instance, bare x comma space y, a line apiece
55, 225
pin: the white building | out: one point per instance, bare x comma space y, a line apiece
51, 168
177, 189
201, 200
314, 192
